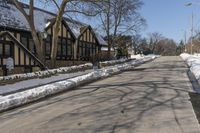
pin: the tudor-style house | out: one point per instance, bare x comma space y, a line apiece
77, 41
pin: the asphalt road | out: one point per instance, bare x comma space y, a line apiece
153, 98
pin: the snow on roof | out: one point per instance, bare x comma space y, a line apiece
75, 28
100, 39
11, 17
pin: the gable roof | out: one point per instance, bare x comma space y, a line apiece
11, 17
19, 44
100, 39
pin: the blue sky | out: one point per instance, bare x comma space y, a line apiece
170, 17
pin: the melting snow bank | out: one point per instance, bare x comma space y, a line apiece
114, 62
21, 98
64, 70
50, 72
193, 62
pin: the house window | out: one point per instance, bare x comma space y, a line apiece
80, 48
88, 49
1, 49
91, 50
94, 49
24, 41
83, 52
48, 46
85, 49
59, 47
69, 48
32, 46
7, 50
64, 47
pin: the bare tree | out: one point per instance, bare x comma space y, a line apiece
119, 17
29, 16
65, 7
154, 39
56, 29
136, 41
166, 47
62, 8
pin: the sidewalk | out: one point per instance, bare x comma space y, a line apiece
19, 96
36, 82
32, 83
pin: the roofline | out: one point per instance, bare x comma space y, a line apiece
53, 22
48, 12
85, 29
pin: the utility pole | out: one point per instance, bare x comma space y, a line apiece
185, 40
192, 29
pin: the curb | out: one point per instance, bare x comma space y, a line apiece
21, 98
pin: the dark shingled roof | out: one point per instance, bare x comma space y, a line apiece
11, 17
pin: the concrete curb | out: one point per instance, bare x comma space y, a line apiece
28, 96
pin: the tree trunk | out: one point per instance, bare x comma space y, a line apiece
56, 29
54, 48
39, 44
108, 35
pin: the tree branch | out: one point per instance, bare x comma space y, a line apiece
20, 7
56, 4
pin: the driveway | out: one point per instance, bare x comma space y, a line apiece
153, 98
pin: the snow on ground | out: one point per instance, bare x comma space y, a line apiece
31, 83
193, 62
140, 56
20, 98
113, 62
50, 72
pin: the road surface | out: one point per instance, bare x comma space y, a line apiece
153, 98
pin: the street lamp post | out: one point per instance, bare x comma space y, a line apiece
192, 28
185, 40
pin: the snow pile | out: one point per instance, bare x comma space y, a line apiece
193, 62
138, 56
17, 99
141, 56
120, 61
62, 70
113, 62
46, 73
153, 56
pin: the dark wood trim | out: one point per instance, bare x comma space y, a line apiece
14, 40
63, 23
61, 40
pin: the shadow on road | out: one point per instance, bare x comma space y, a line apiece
117, 104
